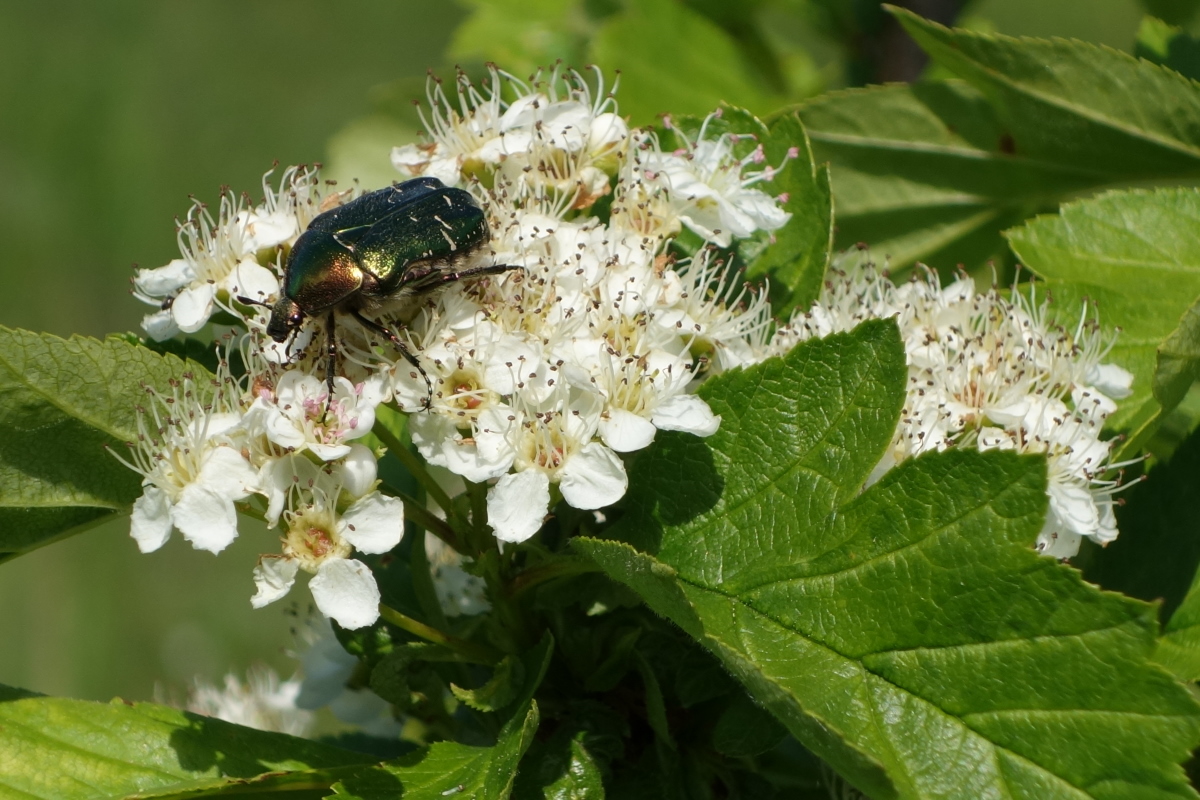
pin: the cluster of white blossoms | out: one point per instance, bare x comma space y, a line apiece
542, 376
992, 372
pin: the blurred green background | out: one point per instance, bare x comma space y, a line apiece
112, 114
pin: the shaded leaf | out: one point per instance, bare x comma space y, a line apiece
908, 634
499, 691
1169, 46
62, 749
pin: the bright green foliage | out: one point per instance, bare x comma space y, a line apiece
1137, 254
61, 749
688, 66
64, 402
909, 635
447, 769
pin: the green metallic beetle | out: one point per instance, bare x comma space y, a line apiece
386, 246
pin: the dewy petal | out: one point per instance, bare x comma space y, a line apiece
345, 591
625, 431
193, 307
517, 505
593, 478
151, 520
374, 524
687, 413
273, 578
205, 518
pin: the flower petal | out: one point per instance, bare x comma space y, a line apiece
374, 524
206, 518
345, 591
517, 505
273, 578
687, 413
358, 471
593, 478
193, 307
625, 431
151, 520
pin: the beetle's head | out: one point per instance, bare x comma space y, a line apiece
286, 318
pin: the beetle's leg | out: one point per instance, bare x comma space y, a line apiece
331, 361
399, 344
436, 280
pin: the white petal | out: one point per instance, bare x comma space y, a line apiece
1114, 381
328, 452
165, 280
273, 578
517, 505
374, 524
1074, 506
226, 473
345, 591
150, 524
193, 307
625, 431
251, 279
358, 471
687, 413
205, 518
160, 325
593, 478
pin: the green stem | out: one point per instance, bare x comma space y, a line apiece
559, 568
416, 513
415, 468
480, 539
477, 653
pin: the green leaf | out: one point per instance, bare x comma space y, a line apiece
560, 769
1137, 255
1176, 12
908, 634
746, 729
62, 401
499, 691
673, 59
449, 769
927, 172
1169, 46
62, 749
1084, 106
797, 259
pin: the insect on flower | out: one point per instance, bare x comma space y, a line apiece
376, 252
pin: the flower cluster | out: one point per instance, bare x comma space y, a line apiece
992, 372
533, 381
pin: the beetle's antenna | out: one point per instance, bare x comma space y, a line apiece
246, 301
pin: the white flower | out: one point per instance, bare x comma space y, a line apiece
459, 592
226, 258
993, 372
325, 672
303, 416
319, 540
193, 470
263, 702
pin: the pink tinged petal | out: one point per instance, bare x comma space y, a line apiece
358, 471
517, 505
205, 518
625, 431
687, 413
374, 524
593, 478
273, 578
150, 524
345, 591
160, 325
193, 307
